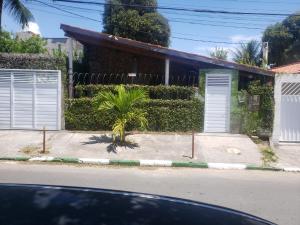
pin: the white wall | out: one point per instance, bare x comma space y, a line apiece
279, 79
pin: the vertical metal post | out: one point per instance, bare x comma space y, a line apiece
44, 140
193, 144
167, 71
265, 48
70, 70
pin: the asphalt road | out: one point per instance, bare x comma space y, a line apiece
274, 196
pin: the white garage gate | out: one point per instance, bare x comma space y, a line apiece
30, 99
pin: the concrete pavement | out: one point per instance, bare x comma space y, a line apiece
214, 148
271, 195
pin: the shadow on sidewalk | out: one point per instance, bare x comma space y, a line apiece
112, 147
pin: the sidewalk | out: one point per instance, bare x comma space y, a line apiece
218, 151
217, 148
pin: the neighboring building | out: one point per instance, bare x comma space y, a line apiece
286, 126
24, 35
292, 68
62, 44
108, 54
53, 43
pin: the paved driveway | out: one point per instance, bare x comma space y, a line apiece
225, 148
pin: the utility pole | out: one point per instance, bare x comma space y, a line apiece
265, 49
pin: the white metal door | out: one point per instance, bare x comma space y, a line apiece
30, 99
217, 103
290, 112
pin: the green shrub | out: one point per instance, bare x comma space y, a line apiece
260, 121
32, 61
162, 115
155, 92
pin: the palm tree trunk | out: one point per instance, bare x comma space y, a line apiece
1, 9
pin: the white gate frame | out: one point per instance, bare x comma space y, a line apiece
279, 79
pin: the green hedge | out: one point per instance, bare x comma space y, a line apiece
162, 115
155, 92
32, 61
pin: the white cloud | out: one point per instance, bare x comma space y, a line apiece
244, 38
33, 27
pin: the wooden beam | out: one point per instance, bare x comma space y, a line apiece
167, 71
70, 70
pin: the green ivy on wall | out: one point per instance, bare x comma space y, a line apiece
258, 122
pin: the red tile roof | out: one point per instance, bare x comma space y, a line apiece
290, 68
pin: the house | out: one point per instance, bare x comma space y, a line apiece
293, 68
108, 54
286, 126
62, 45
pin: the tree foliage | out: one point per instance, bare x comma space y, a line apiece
248, 53
18, 10
284, 40
124, 105
10, 44
124, 18
219, 53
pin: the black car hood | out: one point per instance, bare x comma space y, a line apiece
57, 205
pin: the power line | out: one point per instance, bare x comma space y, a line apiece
177, 8
101, 11
207, 41
59, 14
175, 37
216, 25
66, 11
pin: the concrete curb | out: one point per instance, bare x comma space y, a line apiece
151, 163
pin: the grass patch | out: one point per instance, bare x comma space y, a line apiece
268, 156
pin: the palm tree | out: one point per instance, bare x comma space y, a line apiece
248, 53
219, 53
123, 105
18, 10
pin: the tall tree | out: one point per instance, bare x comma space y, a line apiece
284, 40
18, 10
248, 53
219, 53
131, 19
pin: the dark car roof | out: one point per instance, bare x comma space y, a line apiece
35, 204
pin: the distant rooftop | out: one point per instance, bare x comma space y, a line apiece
290, 68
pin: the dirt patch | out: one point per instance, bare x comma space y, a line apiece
34, 150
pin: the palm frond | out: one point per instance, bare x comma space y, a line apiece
123, 105
18, 10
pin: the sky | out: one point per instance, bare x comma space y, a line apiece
202, 28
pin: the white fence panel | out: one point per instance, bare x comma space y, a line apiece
30, 99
